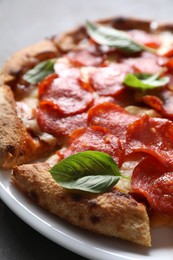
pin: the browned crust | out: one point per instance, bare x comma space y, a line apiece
26, 58
112, 214
70, 39
16, 145
12, 132
49, 48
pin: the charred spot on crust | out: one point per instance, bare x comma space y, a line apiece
119, 193
122, 23
166, 27
10, 149
76, 197
93, 203
119, 21
133, 203
95, 219
34, 195
80, 217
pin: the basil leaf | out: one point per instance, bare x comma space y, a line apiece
90, 183
144, 82
90, 171
39, 72
114, 38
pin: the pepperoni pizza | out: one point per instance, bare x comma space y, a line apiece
93, 107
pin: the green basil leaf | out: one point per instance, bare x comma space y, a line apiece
144, 82
39, 72
114, 38
90, 183
90, 171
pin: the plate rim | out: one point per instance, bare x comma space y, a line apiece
56, 232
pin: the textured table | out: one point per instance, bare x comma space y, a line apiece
23, 23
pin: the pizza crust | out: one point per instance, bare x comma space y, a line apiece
113, 214
12, 133
16, 144
26, 58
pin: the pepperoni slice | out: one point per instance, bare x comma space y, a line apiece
52, 122
67, 96
107, 81
69, 73
103, 99
111, 116
154, 180
149, 64
168, 53
44, 84
144, 38
84, 57
153, 136
127, 97
64, 69
95, 138
161, 101
169, 63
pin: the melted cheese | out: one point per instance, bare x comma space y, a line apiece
26, 110
126, 170
141, 111
166, 39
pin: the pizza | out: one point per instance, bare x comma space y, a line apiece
87, 126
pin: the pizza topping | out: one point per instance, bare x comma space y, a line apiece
61, 64
126, 169
141, 111
90, 171
26, 110
64, 69
145, 38
52, 122
153, 136
144, 82
67, 96
166, 48
148, 64
44, 84
102, 99
154, 180
114, 38
111, 116
40, 71
108, 81
95, 138
126, 97
84, 58
161, 101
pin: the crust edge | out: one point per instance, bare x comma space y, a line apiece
112, 214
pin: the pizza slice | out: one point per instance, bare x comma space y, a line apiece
104, 87
112, 214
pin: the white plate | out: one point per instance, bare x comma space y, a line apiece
82, 242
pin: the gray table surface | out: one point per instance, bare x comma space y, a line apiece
23, 23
